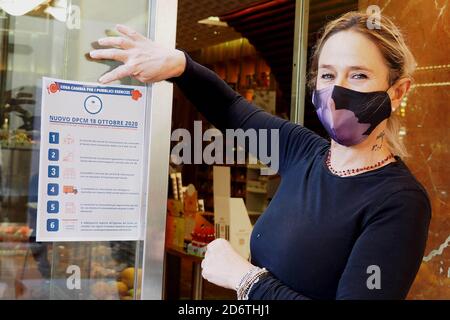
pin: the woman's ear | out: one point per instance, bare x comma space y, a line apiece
398, 91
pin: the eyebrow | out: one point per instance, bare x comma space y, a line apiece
331, 67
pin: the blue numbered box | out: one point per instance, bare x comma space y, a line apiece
53, 171
53, 137
53, 154
52, 206
52, 225
52, 189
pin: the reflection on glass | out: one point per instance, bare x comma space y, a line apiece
51, 38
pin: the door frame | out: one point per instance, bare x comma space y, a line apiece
162, 21
299, 61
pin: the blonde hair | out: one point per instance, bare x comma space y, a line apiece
398, 57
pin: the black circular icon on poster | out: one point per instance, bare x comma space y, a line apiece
93, 104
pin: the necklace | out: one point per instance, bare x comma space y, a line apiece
343, 173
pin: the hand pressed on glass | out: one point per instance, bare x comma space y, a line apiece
142, 58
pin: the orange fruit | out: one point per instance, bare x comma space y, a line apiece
138, 293
122, 288
127, 276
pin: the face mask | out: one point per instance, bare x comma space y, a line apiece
350, 116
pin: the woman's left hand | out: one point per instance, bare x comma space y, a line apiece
223, 266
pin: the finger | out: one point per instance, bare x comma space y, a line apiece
206, 274
109, 54
214, 243
211, 245
129, 32
118, 73
120, 42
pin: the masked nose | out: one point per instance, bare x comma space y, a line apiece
335, 118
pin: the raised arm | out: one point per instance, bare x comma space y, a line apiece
224, 108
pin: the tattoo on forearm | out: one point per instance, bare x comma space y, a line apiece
379, 144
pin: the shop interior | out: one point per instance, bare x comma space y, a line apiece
257, 46
50, 38
249, 44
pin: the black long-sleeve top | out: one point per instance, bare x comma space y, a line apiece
322, 236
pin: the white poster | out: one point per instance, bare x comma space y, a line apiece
90, 169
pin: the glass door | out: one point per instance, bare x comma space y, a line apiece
51, 39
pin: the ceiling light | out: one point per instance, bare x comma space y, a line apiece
20, 7
214, 21
58, 9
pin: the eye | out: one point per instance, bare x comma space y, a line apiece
327, 76
359, 76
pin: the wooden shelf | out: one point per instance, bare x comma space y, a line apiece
256, 191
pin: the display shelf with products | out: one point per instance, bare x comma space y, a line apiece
251, 78
246, 183
244, 69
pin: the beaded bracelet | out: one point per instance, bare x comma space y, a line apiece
247, 281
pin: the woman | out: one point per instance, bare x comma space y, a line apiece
349, 220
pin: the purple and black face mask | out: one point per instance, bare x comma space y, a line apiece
350, 116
